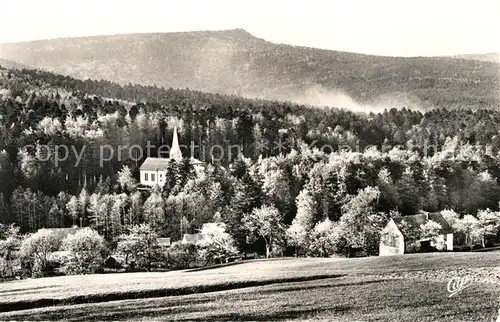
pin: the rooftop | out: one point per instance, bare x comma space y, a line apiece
422, 218
153, 164
191, 238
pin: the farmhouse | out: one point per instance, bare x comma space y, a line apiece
154, 170
393, 241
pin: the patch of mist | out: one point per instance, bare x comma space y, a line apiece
321, 97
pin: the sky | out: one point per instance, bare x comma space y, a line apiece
381, 27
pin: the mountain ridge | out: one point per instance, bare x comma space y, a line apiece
242, 31
487, 57
236, 62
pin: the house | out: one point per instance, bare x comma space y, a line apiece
195, 238
154, 170
164, 242
191, 238
393, 239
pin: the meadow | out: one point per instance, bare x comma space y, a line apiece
400, 288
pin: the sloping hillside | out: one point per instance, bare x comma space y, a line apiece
10, 64
489, 57
236, 62
328, 289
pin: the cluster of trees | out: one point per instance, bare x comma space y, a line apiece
277, 202
306, 196
470, 230
85, 251
39, 254
40, 111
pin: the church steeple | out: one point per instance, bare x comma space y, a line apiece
175, 150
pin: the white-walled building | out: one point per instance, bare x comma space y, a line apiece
393, 241
154, 170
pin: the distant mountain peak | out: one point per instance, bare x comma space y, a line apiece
238, 33
233, 61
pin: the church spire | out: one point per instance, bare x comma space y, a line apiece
175, 150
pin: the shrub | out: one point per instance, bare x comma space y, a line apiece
216, 244
265, 222
9, 244
61, 234
87, 250
323, 239
35, 250
413, 247
181, 256
342, 246
39, 269
10, 268
5, 270
140, 247
430, 230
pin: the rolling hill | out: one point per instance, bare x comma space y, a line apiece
236, 62
10, 64
489, 57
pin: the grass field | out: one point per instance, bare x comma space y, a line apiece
401, 288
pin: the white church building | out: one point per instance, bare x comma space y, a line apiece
154, 170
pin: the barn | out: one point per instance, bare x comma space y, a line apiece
394, 243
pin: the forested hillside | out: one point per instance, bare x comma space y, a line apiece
236, 62
489, 57
290, 173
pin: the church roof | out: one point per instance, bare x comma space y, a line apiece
153, 164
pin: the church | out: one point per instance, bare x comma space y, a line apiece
154, 170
